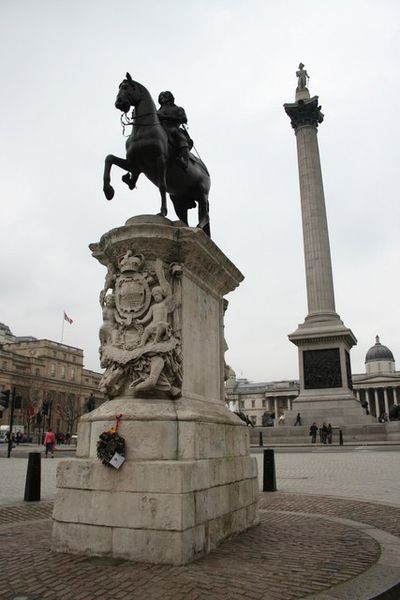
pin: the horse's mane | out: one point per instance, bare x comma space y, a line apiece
144, 92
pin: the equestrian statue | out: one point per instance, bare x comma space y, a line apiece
159, 146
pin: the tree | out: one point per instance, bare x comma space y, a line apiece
70, 411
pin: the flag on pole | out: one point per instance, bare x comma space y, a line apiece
67, 318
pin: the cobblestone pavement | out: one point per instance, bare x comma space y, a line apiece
29, 511
294, 552
285, 557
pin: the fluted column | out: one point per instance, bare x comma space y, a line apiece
377, 409
305, 115
386, 400
276, 407
368, 401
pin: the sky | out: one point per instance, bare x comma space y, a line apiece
231, 64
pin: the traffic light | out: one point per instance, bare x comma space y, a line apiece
45, 408
4, 398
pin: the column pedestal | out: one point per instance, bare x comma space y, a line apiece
188, 481
325, 376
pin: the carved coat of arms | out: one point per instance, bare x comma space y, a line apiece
132, 297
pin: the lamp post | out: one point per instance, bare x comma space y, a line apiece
12, 404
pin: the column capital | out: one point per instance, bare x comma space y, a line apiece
304, 113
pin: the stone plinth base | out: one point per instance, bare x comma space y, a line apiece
336, 409
188, 483
324, 344
282, 435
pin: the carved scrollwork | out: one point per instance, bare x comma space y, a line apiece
140, 338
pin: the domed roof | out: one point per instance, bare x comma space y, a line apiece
379, 352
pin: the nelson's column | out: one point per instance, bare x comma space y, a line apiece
324, 342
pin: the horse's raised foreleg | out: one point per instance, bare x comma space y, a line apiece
162, 183
108, 163
130, 179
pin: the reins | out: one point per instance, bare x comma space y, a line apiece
126, 121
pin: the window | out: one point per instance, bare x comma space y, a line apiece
264, 403
53, 370
72, 373
74, 359
37, 372
63, 372
253, 404
64, 356
54, 354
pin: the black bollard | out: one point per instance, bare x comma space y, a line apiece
340, 437
32, 483
269, 480
261, 441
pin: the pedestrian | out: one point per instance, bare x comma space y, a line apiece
329, 433
49, 442
298, 420
313, 432
324, 433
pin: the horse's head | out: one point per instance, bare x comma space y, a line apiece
128, 95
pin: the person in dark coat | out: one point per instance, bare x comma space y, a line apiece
313, 432
329, 433
324, 433
298, 419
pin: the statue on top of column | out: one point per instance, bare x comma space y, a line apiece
302, 78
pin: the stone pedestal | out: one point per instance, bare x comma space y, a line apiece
188, 481
325, 375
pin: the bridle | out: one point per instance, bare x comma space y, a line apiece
127, 120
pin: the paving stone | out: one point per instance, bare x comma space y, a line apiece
284, 558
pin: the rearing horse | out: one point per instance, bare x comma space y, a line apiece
148, 152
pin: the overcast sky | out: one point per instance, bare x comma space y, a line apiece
231, 64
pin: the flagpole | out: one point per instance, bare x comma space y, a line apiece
62, 328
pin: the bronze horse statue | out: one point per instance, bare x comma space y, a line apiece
148, 151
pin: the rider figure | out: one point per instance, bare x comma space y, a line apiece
172, 119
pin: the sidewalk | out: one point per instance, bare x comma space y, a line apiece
22, 450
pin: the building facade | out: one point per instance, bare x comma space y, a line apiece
52, 387
378, 389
